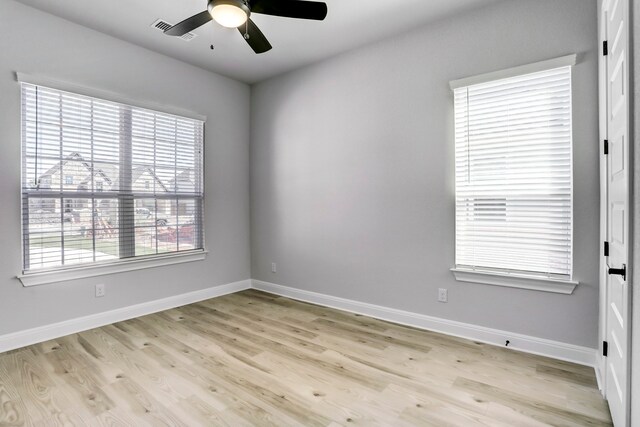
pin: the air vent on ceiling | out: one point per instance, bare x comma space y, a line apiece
162, 25
188, 36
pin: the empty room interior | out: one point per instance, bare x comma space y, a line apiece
308, 213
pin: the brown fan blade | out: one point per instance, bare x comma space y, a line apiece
290, 8
189, 24
256, 39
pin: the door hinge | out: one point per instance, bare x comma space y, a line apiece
605, 348
605, 48
606, 248
606, 147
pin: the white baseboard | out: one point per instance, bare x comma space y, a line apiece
525, 343
599, 378
557, 350
56, 330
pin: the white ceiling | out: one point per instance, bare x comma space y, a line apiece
349, 23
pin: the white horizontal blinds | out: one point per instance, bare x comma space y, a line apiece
514, 174
104, 181
167, 180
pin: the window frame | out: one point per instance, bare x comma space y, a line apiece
503, 277
97, 268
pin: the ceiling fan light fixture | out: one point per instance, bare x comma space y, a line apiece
229, 13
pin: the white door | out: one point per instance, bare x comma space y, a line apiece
616, 174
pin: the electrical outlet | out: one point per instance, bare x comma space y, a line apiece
100, 290
443, 295
273, 267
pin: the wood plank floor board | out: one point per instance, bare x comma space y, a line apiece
12, 407
344, 339
220, 378
204, 414
68, 418
27, 373
556, 414
138, 402
511, 417
257, 359
228, 322
328, 395
250, 332
320, 312
117, 418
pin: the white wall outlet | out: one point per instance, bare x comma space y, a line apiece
443, 295
273, 267
100, 290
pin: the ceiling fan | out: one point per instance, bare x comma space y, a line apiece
235, 14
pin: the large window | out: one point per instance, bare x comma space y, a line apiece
103, 181
514, 175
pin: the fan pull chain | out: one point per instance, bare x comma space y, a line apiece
246, 30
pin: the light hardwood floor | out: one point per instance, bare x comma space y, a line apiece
252, 358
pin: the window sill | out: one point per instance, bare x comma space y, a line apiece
80, 272
515, 281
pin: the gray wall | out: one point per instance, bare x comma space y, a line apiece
38, 43
352, 186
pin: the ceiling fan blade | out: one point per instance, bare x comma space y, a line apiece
256, 40
189, 24
290, 8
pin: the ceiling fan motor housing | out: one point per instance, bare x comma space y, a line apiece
240, 4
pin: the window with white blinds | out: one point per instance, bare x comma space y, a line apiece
513, 161
103, 181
